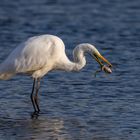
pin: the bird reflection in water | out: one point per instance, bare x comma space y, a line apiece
38, 129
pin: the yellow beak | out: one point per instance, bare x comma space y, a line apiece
99, 57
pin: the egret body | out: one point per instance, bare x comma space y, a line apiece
41, 54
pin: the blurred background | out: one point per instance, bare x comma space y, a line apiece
74, 106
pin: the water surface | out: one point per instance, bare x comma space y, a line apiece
74, 106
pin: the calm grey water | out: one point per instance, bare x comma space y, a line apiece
74, 106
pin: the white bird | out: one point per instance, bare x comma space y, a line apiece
41, 54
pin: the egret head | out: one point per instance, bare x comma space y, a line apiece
90, 49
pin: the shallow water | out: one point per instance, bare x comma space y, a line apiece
74, 106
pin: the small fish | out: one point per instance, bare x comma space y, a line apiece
104, 68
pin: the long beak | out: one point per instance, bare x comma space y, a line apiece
99, 57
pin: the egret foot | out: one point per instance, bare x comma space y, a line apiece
35, 115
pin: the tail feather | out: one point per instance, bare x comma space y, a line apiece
5, 76
5, 72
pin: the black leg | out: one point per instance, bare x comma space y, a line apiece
36, 95
32, 95
34, 98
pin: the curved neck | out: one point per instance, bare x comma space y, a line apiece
79, 58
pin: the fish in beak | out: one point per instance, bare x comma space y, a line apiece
100, 59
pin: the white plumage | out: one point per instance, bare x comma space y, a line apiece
36, 56
41, 54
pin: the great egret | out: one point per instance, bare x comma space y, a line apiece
41, 54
